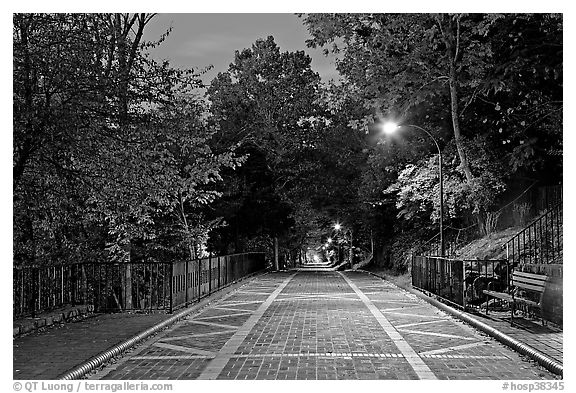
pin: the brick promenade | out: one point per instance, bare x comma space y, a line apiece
48, 354
321, 325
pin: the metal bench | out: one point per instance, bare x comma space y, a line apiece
522, 283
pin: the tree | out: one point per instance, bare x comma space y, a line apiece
399, 63
107, 142
429, 68
56, 87
522, 94
266, 104
488, 88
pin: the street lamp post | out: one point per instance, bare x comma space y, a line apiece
338, 227
390, 128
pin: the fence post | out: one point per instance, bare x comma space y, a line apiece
171, 286
463, 286
412, 268
219, 273
22, 300
209, 274
73, 285
186, 282
36, 290
99, 287
62, 284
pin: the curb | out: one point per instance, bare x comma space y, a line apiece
96, 361
544, 360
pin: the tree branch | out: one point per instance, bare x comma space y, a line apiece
457, 38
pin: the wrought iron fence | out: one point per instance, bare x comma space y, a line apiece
530, 204
193, 280
459, 282
48, 287
540, 242
144, 286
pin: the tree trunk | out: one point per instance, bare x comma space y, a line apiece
453, 78
456, 124
23, 152
452, 56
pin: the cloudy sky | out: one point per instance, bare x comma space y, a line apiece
199, 40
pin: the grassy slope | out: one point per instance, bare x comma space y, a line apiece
492, 246
488, 247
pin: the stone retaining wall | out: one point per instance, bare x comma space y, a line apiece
27, 325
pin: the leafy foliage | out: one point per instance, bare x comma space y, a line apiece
266, 103
486, 86
107, 142
117, 157
418, 194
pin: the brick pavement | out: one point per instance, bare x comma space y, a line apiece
321, 325
46, 355
547, 339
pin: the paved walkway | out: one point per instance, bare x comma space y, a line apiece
48, 354
547, 339
321, 325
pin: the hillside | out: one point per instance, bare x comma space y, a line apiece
487, 247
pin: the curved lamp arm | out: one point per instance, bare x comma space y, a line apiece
427, 133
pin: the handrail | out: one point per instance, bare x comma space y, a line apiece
539, 241
137, 285
535, 220
41, 266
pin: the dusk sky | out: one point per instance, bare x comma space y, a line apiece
198, 40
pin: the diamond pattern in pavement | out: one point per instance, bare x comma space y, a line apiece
322, 325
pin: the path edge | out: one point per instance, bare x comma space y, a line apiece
96, 361
544, 360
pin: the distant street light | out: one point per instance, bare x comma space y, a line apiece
390, 128
337, 226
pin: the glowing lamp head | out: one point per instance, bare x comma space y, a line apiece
329, 240
337, 227
389, 127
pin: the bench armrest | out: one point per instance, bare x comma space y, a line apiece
492, 283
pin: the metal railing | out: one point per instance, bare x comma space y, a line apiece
45, 288
143, 286
193, 280
540, 242
457, 281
